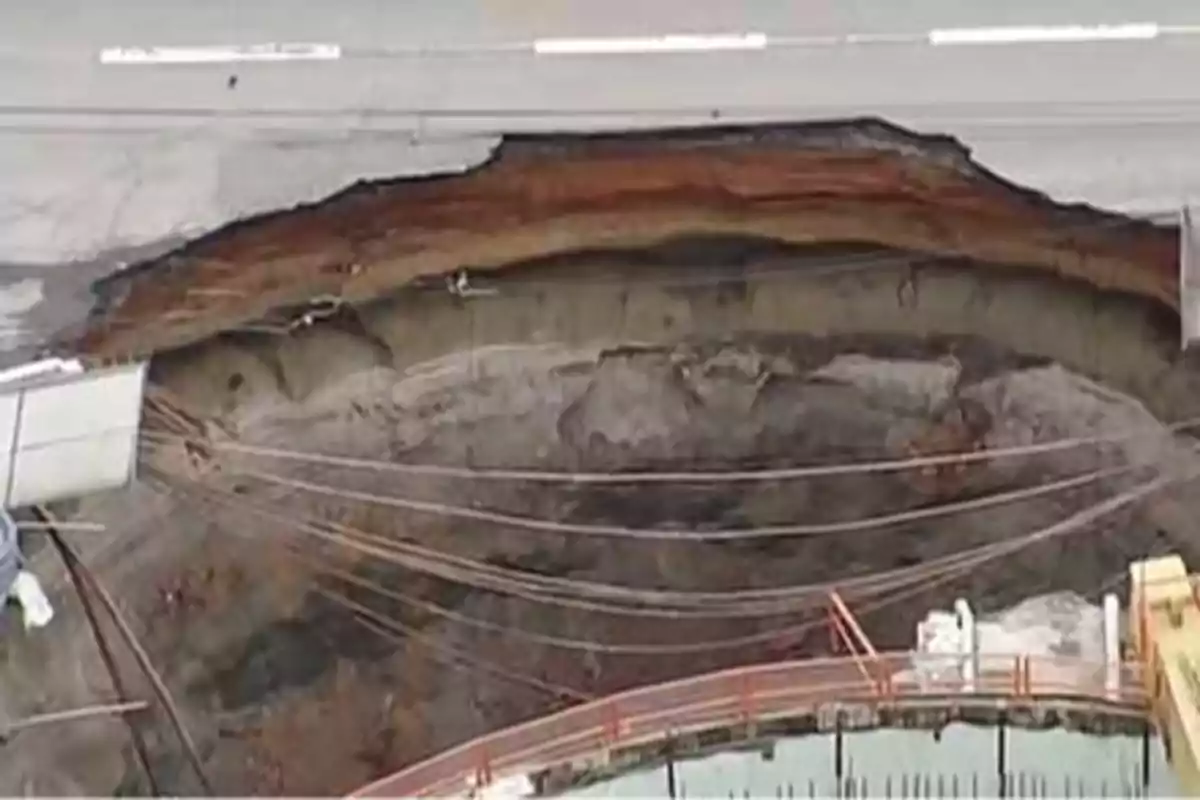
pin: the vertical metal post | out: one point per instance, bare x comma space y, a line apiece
483, 768
612, 724
472, 373
1146, 758
1002, 755
745, 692
839, 756
671, 788
1112, 646
968, 647
1188, 323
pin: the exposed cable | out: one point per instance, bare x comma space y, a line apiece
527, 585
73, 525
870, 605
568, 643
810, 268
661, 534
561, 642
7, 729
485, 575
140, 656
691, 476
322, 568
478, 567
919, 585
761, 600
917, 582
480, 575
81, 586
429, 642
798, 267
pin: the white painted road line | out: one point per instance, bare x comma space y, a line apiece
672, 43
220, 54
1033, 34
669, 43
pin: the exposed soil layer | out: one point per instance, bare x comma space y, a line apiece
723, 299
849, 181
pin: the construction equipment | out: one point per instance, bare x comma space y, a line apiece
1164, 617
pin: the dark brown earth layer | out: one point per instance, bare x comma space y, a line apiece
852, 181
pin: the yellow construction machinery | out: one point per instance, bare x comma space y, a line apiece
1164, 625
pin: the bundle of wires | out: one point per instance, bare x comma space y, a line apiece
868, 593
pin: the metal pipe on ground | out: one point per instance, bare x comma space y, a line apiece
84, 578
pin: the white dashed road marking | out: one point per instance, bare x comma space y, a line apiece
1055, 34
220, 54
671, 43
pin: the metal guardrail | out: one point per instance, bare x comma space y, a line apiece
925, 785
746, 695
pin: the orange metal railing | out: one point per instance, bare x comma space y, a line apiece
849, 634
758, 693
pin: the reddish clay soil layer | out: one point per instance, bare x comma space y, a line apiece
854, 181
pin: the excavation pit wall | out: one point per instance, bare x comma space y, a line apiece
676, 344
538, 196
638, 373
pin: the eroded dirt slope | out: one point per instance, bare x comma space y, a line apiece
855, 181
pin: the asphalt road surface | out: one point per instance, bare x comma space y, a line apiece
102, 156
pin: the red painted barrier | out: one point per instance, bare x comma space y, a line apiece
758, 693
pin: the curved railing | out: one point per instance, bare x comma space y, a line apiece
759, 693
